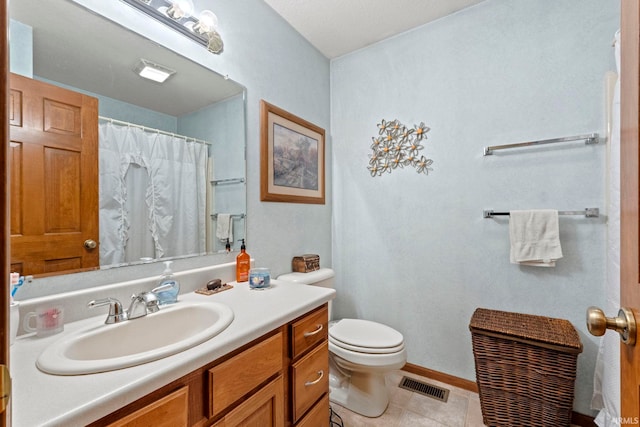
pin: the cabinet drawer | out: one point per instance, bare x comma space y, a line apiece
310, 379
236, 377
318, 416
169, 411
308, 331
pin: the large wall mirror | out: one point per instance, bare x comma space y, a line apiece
196, 117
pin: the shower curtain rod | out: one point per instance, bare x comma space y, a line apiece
152, 130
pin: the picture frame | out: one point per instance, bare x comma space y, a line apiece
292, 157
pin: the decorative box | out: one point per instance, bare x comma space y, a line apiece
305, 263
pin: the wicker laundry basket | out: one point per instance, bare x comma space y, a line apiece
525, 368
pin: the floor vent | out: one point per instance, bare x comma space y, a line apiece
438, 393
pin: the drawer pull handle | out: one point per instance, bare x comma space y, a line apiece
320, 375
316, 331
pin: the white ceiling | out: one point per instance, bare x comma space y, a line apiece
103, 53
337, 27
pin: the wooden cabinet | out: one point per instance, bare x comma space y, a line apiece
318, 416
279, 379
169, 411
265, 408
238, 376
309, 331
309, 370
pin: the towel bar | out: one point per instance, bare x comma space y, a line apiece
588, 213
215, 215
227, 181
592, 138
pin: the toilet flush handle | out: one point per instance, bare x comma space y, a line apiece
314, 332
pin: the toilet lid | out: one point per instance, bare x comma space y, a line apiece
365, 335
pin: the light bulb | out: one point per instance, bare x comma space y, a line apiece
207, 22
180, 9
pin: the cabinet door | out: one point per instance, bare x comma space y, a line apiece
318, 416
170, 411
265, 408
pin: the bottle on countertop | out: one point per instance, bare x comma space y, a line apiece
243, 264
168, 288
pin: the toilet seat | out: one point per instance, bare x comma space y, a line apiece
364, 336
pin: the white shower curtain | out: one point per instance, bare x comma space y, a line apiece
152, 195
606, 394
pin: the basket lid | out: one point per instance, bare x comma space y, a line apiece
546, 330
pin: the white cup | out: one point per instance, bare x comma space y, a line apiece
14, 321
49, 320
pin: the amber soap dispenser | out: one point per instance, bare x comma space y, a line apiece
243, 264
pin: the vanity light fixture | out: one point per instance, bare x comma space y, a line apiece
180, 16
152, 71
180, 9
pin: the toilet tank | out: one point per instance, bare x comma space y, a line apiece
322, 277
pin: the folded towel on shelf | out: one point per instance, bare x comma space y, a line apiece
224, 227
535, 237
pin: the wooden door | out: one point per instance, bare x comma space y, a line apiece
54, 178
629, 203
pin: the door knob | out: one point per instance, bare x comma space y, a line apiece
90, 244
624, 324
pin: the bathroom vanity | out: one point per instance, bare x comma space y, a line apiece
269, 366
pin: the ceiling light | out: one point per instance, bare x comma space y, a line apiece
152, 71
179, 16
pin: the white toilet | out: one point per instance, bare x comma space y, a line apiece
361, 352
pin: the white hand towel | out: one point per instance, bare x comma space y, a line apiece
535, 237
224, 227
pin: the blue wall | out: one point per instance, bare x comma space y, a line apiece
21, 52
413, 251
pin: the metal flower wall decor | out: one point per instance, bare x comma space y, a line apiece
397, 146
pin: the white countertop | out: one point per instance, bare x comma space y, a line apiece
40, 399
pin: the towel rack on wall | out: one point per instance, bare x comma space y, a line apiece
588, 213
227, 181
215, 215
592, 138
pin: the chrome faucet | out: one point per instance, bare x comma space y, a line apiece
116, 313
142, 304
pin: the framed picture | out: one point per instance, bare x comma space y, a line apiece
291, 157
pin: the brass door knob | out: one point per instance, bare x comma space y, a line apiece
624, 324
90, 244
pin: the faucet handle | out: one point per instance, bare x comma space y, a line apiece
116, 313
151, 301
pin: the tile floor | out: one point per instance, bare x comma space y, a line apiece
409, 409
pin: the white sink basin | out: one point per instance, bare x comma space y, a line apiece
108, 347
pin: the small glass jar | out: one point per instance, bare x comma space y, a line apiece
259, 278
